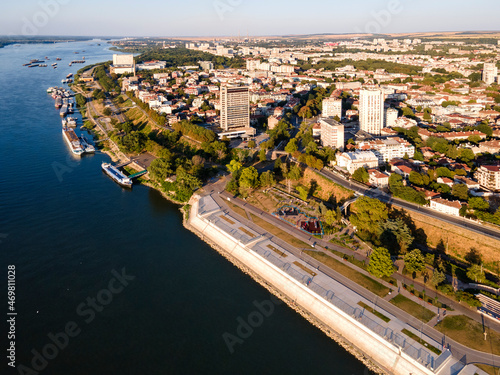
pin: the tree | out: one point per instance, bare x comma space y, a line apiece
414, 261
367, 213
186, 180
106, 111
160, 169
292, 146
396, 232
234, 166
485, 128
476, 273
267, 179
437, 277
252, 144
361, 175
466, 155
478, 203
232, 186
331, 218
461, 191
249, 178
380, 263
303, 192
295, 173
474, 139
416, 178
262, 155
474, 257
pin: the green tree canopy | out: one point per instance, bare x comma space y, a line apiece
461, 191
267, 179
367, 213
478, 203
361, 175
380, 263
249, 178
476, 273
414, 261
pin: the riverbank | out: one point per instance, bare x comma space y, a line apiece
339, 339
321, 299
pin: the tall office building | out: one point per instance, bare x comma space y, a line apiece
371, 110
235, 108
490, 73
332, 107
332, 133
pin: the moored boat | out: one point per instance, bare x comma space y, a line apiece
72, 141
116, 175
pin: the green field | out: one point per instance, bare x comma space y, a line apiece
413, 308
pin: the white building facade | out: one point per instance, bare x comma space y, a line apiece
371, 110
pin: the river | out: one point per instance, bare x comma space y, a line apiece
69, 231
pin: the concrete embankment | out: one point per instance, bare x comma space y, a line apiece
377, 353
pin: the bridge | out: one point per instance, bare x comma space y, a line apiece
138, 174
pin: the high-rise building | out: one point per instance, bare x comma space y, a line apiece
371, 110
235, 108
490, 73
332, 133
123, 64
332, 107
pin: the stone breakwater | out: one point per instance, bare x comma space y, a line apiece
339, 339
376, 353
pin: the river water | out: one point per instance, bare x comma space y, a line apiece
176, 307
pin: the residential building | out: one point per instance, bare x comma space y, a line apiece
272, 122
488, 177
446, 206
122, 64
235, 107
391, 117
378, 179
389, 148
332, 133
355, 160
332, 107
206, 65
490, 73
151, 65
371, 110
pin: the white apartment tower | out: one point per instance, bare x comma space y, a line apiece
332, 133
332, 107
490, 73
371, 110
235, 108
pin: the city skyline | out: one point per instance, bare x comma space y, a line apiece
232, 18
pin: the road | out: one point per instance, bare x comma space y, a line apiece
375, 193
463, 353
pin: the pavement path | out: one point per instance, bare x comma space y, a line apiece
465, 354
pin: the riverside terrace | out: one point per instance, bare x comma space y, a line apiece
271, 250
